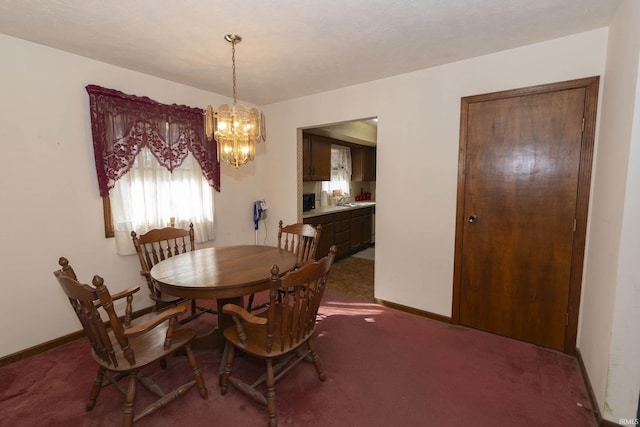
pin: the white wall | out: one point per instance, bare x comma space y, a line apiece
610, 312
417, 153
49, 192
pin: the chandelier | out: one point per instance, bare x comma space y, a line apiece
236, 129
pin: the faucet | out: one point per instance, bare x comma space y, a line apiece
340, 201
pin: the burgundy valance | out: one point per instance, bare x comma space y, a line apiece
123, 124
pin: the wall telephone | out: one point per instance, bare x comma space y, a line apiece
259, 211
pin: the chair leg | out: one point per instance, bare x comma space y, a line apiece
316, 359
271, 394
130, 399
224, 378
197, 375
251, 307
250, 303
95, 390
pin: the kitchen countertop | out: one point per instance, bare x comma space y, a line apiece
333, 209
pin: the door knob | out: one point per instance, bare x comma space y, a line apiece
473, 218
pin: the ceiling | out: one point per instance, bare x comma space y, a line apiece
292, 48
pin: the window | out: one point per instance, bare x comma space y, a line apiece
340, 171
154, 166
149, 196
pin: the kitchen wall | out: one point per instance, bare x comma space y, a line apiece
356, 186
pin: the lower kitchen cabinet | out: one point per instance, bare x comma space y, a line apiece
349, 230
326, 233
342, 236
361, 223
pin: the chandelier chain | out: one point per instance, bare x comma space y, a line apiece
233, 68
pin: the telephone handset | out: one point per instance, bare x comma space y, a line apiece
259, 211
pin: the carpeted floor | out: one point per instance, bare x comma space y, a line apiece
353, 276
384, 368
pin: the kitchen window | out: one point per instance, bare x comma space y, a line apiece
340, 171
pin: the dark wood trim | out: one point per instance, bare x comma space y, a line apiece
590, 85
55, 343
457, 252
582, 207
412, 310
594, 408
109, 229
593, 404
40, 348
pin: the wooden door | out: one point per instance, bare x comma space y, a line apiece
525, 162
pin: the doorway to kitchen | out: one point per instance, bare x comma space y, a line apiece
339, 169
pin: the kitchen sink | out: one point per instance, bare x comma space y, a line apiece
356, 204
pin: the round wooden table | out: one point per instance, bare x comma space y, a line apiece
225, 273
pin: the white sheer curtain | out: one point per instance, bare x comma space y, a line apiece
340, 170
148, 196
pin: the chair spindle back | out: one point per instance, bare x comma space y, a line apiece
159, 244
301, 240
86, 301
295, 309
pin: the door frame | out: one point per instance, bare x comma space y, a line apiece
591, 86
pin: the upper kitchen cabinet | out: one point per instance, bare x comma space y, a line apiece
363, 161
316, 158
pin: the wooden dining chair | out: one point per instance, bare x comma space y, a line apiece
299, 239
123, 350
277, 334
157, 245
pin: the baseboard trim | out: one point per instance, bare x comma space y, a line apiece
40, 348
412, 310
592, 396
54, 343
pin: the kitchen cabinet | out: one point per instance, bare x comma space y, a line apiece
349, 230
363, 164
342, 236
361, 223
326, 234
316, 158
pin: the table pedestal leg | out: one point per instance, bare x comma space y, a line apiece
214, 339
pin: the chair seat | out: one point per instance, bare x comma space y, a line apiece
147, 347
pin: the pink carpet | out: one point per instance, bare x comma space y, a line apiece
384, 368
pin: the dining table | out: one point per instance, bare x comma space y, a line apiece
223, 273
